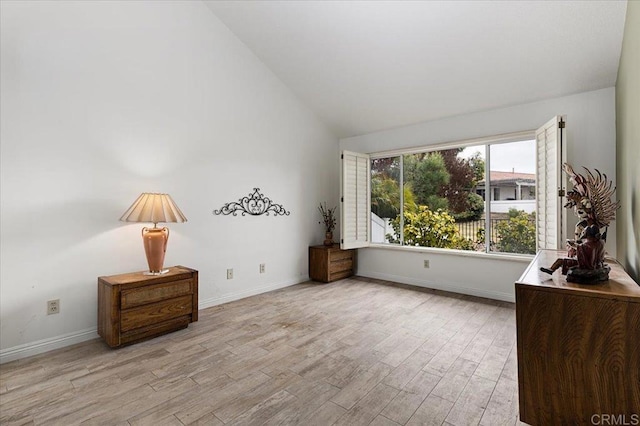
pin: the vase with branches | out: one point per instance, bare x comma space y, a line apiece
329, 222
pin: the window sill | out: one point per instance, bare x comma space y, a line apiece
525, 258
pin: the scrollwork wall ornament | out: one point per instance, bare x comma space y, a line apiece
254, 204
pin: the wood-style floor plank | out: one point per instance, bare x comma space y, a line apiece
353, 352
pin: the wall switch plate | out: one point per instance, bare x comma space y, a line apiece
426, 263
262, 268
53, 307
229, 274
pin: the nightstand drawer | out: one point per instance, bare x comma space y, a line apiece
341, 265
336, 255
154, 330
154, 293
339, 275
155, 313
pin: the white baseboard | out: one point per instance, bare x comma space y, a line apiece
452, 287
214, 301
46, 345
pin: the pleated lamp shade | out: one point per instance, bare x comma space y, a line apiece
153, 208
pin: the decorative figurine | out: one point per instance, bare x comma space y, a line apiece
591, 201
590, 253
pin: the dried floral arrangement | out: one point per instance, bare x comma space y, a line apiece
328, 217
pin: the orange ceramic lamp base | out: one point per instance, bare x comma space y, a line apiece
155, 245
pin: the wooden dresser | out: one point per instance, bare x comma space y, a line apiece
329, 263
133, 307
578, 346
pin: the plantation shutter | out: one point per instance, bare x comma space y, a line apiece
550, 184
356, 212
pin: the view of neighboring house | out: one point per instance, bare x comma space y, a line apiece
510, 190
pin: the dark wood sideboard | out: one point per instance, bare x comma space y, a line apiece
330, 263
134, 307
578, 346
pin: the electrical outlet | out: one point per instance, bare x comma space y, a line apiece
53, 307
262, 268
229, 274
426, 263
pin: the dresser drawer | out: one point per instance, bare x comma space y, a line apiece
154, 293
155, 313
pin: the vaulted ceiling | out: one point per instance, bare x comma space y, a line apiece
372, 65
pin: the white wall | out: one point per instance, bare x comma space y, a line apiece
590, 143
628, 144
528, 206
104, 100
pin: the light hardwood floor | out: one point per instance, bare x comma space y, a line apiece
353, 352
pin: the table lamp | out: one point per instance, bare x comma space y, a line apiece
154, 208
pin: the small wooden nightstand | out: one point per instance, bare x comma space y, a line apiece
134, 307
329, 263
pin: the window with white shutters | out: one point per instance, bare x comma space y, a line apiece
355, 223
550, 225
398, 189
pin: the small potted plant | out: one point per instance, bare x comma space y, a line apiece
329, 221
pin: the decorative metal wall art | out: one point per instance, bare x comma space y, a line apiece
255, 204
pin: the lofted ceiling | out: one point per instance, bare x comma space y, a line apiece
364, 66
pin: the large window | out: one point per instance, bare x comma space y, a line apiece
443, 199
490, 196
